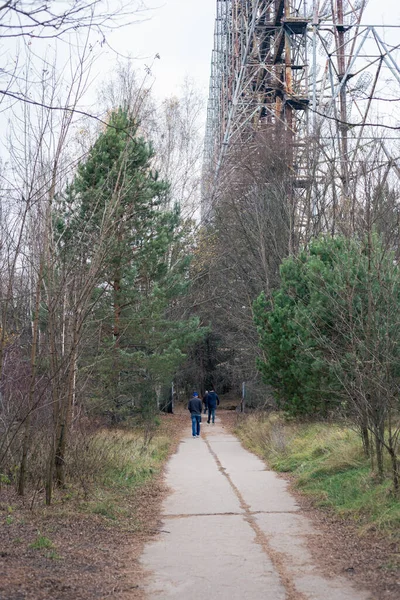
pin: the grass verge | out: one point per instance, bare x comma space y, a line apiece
92, 535
127, 466
328, 465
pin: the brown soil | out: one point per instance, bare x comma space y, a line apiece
92, 556
369, 558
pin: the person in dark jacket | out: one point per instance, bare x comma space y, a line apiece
212, 403
194, 407
205, 402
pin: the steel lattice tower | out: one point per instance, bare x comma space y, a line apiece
310, 69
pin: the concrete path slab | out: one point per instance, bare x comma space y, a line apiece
196, 485
261, 489
231, 530
208, 557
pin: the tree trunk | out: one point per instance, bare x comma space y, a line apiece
49, 473
365, 439
393, 456
116, 345
379, 455
27, 432
66, 417
395, 469
59, 459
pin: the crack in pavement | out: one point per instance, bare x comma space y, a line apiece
278, 559
228, 514
258, 551
214, 514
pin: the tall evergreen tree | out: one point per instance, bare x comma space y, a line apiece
139, 341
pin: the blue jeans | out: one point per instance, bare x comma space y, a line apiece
211, 414
196, 420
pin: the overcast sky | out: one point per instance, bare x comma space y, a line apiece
181, 31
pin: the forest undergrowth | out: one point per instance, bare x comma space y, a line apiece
92, 536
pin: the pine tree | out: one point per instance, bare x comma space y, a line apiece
140, 343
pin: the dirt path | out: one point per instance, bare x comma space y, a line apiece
231, 530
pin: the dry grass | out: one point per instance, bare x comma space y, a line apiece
328, 463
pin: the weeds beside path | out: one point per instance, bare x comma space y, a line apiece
87, 547
359, 517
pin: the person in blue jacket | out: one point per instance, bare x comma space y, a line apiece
212, 403
194, 407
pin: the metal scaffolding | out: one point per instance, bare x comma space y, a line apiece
311, 71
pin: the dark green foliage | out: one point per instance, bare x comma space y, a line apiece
207, 365
116, 184
294, 362
331, 329
134, 341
